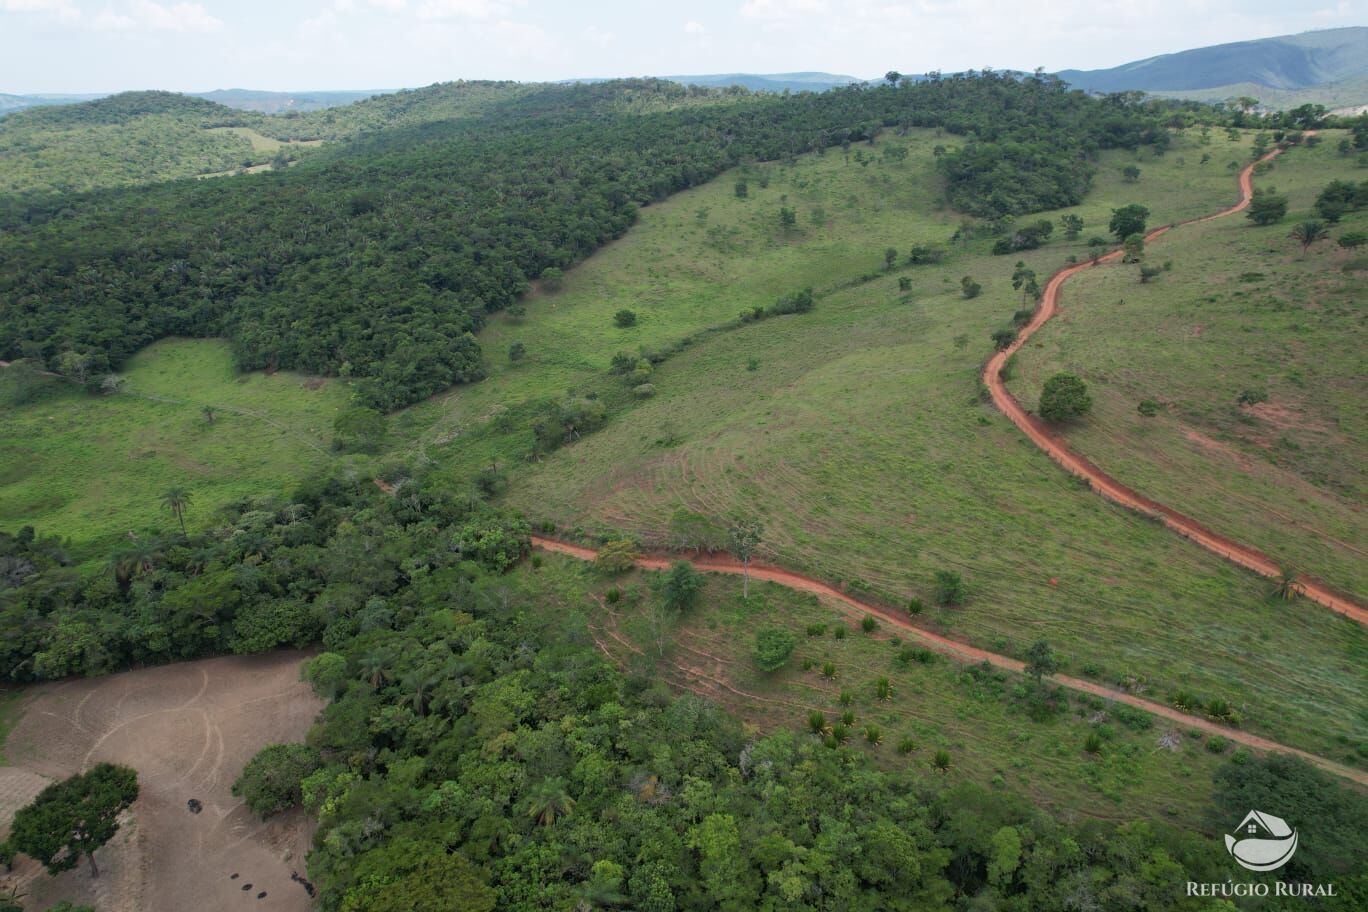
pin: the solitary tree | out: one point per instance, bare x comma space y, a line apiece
1064, 397
893, 77
1128, 220
773, 646
74, 817
969, 287
1072, 225
208, 412
176, 500
742, 540
1130, 174
1266, 207
680, 587
788, 218
625, 318
1308, 232
1041, 661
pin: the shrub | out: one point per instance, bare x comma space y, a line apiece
817, 723
517, 351
816, 630
270, 781
358, 430
1064, 397
869, 624
1093, 743
941, 760
839, 631
1216, 744
624, 318
873, 735
644, 390
613, 595
949, 588
1251, 397
848, 718
617, 556
773, 646
829, 671
969, 288
906, 746
1148, 408
915, 606
1003, 339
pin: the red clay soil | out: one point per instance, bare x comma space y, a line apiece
1245, 555
954, 649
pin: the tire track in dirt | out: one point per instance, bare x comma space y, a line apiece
962, 652
1246, 556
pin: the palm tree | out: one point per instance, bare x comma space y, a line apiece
1308, 232
1286, 588
138, 557
549, 801
176, 500
376, 667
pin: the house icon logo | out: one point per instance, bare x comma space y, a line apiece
1262, 842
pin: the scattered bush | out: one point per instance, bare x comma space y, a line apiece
270, 782
949, 588
617, 556
773, 646
624, 318
1148, 408
869, 624
1063, 398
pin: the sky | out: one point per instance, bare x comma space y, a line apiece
77, 46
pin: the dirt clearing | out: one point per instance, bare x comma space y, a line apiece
188, 730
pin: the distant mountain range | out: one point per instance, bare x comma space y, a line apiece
1329, 66
769, 82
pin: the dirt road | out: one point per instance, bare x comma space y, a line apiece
187, 729
1042, 436
954, 649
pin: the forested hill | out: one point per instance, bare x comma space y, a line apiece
132, 138
380, 258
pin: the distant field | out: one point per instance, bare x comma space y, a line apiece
93, 468
1242, 310
981, 720
265, 143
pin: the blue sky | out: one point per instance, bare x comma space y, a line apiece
196, 45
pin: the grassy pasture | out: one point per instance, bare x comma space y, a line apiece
1243, 309
860, 441
93, 468
982, 721
262, 143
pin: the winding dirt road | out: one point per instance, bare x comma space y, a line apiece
1246, 556
962, 652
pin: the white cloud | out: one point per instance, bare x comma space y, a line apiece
781, 9
694, 28
62, 9
393, 6
464, 9
145, 14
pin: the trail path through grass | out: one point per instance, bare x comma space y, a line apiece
1246, 556
955, 649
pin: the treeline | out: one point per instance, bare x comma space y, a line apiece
479, 752
381, 260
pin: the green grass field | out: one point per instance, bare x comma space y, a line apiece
981, 720
94, 468
262, 143
1241, 310
860, 441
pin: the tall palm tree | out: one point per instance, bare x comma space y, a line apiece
549, 801
1308, 232
376, 667
139, 557
176, 500
1286, 588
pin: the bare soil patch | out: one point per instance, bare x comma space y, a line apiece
188, 729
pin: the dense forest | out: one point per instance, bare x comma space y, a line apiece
379, 258
479, 752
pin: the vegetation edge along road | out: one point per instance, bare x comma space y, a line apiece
1246, 556
955, 649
